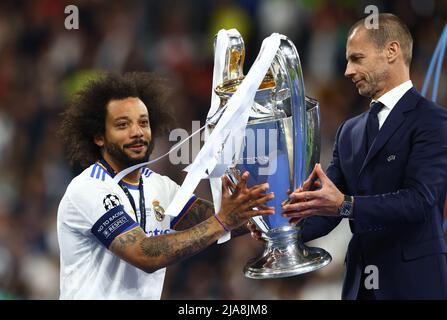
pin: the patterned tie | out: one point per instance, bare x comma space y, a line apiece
372, 126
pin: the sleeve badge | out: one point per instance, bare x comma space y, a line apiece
111, 201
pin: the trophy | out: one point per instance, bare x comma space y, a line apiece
282, 145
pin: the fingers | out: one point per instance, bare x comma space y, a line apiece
301, 214
260, 200
242, 182
301, 195
251, 226
264, 207
226, 183
257, 235
301, 210
254, 232
253, 213
320, 173
311, 179
300, 206
256, 197
253, 192
258, 190
305, 196
227, 186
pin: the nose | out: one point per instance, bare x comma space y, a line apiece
350, 71
137, 131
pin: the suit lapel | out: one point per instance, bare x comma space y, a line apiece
392, 123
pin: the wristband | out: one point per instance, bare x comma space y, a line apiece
221, 223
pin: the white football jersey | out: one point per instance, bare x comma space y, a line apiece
93, 211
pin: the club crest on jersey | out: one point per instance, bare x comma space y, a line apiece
111, 201
159, 212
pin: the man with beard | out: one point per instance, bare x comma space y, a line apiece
115, 240
388, 176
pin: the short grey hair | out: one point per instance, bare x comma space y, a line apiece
391, 28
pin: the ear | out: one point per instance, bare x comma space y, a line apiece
99, 141
392, 51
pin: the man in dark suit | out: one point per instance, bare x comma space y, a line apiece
388, 176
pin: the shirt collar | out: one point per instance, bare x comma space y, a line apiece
391, 98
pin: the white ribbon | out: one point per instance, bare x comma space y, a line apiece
231, 127
232, 122
120, 175
222, 42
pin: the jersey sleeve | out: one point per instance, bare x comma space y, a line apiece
102, 210
186, 209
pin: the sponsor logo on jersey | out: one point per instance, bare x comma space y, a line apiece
158, 232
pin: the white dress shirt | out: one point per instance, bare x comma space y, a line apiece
390, 99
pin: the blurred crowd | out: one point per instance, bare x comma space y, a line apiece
42, 64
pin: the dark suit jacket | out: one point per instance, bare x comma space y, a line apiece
399, 187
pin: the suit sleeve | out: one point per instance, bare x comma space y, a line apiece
424, 183
318, 226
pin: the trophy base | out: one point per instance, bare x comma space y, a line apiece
281, 260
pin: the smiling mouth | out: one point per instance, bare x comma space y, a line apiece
137, 147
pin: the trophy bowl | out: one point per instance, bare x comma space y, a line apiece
281, 147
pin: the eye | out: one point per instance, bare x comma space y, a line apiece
356, 58
121, 125
144, 123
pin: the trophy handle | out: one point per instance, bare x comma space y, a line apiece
288, 58
313, 145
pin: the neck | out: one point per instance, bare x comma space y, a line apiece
395, 79
133, 177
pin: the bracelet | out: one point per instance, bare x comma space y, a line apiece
221, 223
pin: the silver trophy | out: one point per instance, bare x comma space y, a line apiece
282, 145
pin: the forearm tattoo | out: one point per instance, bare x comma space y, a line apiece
178, 246
200, 210
127, 239
165, 249
194, 234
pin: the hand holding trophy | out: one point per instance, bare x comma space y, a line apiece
282, 146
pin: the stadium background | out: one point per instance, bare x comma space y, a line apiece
42, 64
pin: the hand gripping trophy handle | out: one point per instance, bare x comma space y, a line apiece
282, 145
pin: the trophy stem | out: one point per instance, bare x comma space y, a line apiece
285, 255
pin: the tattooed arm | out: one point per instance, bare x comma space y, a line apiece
153, 253
200, 210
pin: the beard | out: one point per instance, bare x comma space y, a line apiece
373, 84
120, 156
366, 91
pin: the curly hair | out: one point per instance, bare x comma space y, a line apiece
85, 117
